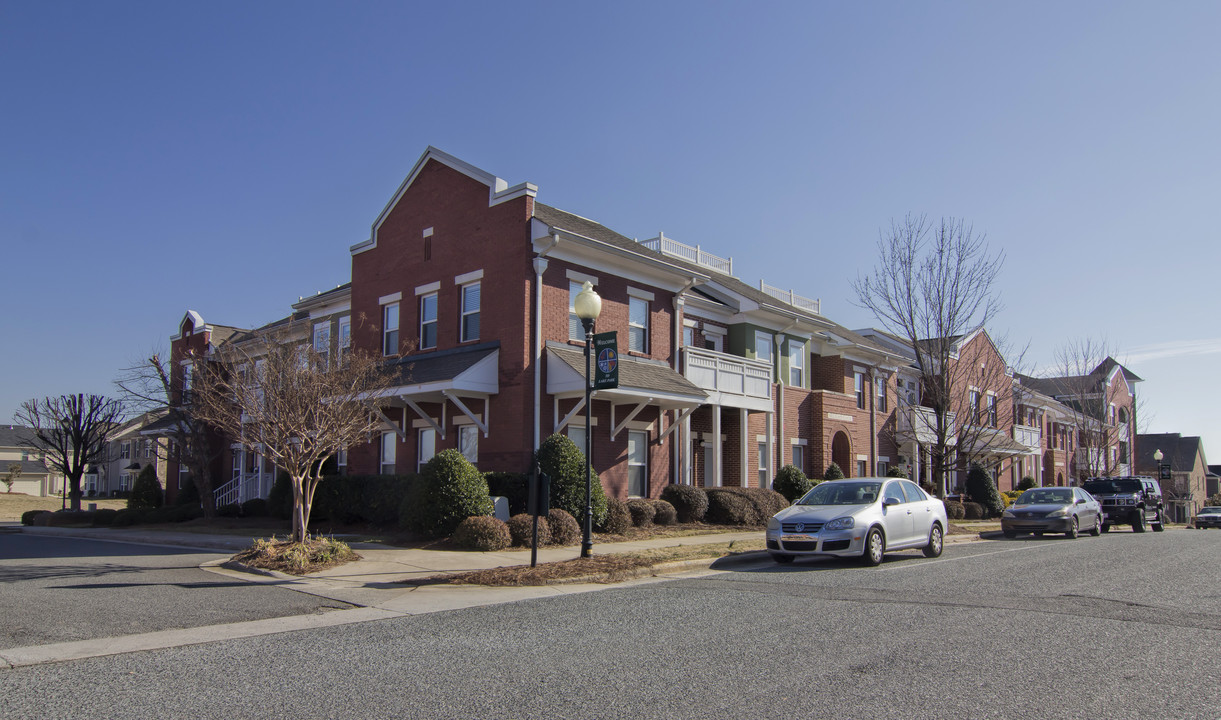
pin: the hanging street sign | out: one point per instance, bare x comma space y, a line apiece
606, 361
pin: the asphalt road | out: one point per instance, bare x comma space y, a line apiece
1122, 626
63, 589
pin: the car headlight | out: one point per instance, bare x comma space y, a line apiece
843, 523
773, 524
1058, 513
1008, 514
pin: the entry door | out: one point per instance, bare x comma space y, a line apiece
710, 464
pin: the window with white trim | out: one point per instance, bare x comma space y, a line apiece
390, 329
341, 461
763, 346
764, 476
576, 331
638, 324
688, 337
637, 463
858, 385
712, 342
469, 329
426, 447
796, 363
799, 457
883, 468
468, 443
974, 411
576, 433
992, 411
862, 468
881, 398
389, 453
345, 337
428, 321
322, 344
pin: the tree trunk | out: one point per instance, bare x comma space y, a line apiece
299, 518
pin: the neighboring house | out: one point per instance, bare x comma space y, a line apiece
128, 452
1213, 480
1186, 491
35, 478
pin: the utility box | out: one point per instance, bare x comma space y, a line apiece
500, 507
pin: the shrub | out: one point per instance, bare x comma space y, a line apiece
230, 510
374, 499
791, 482
127, 518
726, 507
521, 529
1027, 483
146, 491
982, 490
255, 507
664, 513
280, 499
896, 472
642, 512
564, 528
954, 510
104, 517
514, 486
71, 517
973, 511
618, 518
448, 491
27, 517
482, 532
559, 457
690, 503
833, 473
188, 495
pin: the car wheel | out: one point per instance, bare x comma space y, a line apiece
782, 559
1097, 529
1138, 522
1073, 530
1010, 533
935, 542
1106, 527
875, 548
1159, 523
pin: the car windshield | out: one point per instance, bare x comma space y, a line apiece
1210, 511
1041, 496
1110, 487
842, 493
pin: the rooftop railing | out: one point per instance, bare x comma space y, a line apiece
690, 253
791, 298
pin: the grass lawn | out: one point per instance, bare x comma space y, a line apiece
12, 505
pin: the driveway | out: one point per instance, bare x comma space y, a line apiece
64, 589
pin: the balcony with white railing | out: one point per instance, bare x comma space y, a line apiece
730, 380
690, 253
792, 298
919, 424
1031, 437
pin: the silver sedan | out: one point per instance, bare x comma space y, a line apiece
1067, 510
860, 517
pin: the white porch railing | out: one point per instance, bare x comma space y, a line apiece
690, 253
920, 424
727, 374
229, 493
246, 486
791, 298
1031, 437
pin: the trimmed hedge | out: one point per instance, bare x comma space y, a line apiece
618, 518
972, 511
127, 518
642, 512
559, 457
146, 491
1027, 483
104, 517
743, 506
27, 517
664, 513
230, 510
834, 472
791, 482
690, 503
448, 491
514, 486
348, 499
482, 532
954, 510
565, 530
521, 529
255, 507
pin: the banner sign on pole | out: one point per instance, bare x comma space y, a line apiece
606, 360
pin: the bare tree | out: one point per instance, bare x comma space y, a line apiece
146, 386
281, 399
932, 285
71, 433
1100, 410
10, 477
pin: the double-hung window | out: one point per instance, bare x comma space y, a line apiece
345, 337
426, 448
428, 321
763, 346
764, 475
125, 451
322, 344
796, 363
881, 399
799, 457
390, 329
975, 408
576, 331
470, 312
688, 337
991, 411
389, 452
638, 325
858, 385
637, 463
468, 442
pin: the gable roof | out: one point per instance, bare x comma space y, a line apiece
1179, 451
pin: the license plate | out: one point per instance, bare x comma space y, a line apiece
787, 538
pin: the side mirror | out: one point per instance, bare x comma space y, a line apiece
887, 502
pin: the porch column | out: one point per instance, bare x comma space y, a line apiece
717, 448
688, 453
771, 442
743, 440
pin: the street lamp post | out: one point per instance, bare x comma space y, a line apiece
587, 306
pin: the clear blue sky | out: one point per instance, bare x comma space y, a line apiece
221, 157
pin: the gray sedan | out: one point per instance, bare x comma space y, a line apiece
1065, 510
862, 518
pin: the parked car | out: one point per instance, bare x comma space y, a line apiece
1053, 509
1128, 500
1208, 517
858, 518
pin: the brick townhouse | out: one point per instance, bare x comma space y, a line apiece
466, 284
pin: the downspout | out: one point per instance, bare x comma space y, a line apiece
678, 445
777, 453
540, 267
873, 422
